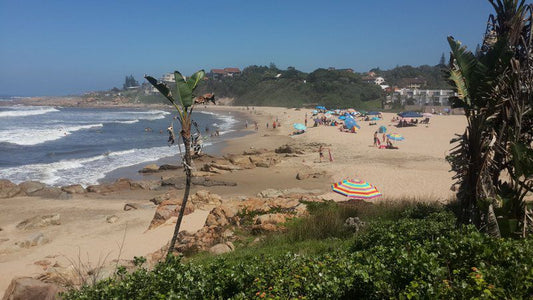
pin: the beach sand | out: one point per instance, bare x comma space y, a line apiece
416, 170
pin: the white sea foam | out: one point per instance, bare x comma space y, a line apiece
34, 136
86, 171
128, 122
23, 111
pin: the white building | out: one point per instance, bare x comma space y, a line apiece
379, 80
168, 77
422, 97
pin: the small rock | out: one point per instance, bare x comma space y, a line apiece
27, 288
169, 167
227, 234
175, 182
39, 222
270, 219
112, 219
151, 168
33, 240
131, 206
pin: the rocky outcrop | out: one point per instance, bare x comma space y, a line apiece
27, 288
120, 185
243, 161
145, 185
8, 189
205, 200
51, 193
309, 173
203, 181
74, 189
288, 149
177, 182
167, 167
39, 222
268, 222
222, 248
270, 193
169, 208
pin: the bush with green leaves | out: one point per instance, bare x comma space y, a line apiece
417, 256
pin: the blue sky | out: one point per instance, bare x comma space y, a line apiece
57, 47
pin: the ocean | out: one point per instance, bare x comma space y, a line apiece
62, 145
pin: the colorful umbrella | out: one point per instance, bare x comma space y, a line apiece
299, 126
355, 188
395, 137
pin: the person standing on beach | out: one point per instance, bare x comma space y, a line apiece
376, 139
384, 137
267, 125
321, 153
246, 124
256, 126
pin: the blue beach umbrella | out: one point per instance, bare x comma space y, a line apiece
382, 129
342, 118
350, 122
299, 126
321, 107
375, 119
410, 114
373, 113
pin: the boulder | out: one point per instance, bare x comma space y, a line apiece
36, 239
254, 151
270, 193
167, 209
201, 174
145, 185
51, 193
151, 168
111, 219
205, 200
74, 189
270, 219
8, 189
221, 248
169, 167
39, 222
263, 161
27, 288
29, 187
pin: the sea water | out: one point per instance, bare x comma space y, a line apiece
61, 146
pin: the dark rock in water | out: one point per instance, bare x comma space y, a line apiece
27, 288
152, 168
29, 187
175, 182
51, 193
169, 167
74, 189
204, 181
8, 189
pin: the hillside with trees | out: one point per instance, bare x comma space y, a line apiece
432, 75
270, 86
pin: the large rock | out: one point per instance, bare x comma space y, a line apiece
274, 219
30, 187
243, 161
151, 168
8, 189
27, 288
39, 222
255, 151
205, 200
167, 209
74, 189
264, 161
51, 192
33, 240
120, 185
169, 167
145, 185
222, 248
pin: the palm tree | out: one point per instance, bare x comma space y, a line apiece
494, 89
184, 105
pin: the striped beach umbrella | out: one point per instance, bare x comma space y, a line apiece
355, 188
395, 137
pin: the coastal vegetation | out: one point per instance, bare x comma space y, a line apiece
405, 250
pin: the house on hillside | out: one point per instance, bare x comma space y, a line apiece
412, 83
168, 77
379, 80
231, 72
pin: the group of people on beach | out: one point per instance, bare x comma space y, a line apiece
387, 144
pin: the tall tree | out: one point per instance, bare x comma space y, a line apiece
442, 61
495, 90
182, 100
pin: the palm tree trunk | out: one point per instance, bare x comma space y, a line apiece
188, 175
492, 223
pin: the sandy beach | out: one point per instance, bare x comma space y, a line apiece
416, 170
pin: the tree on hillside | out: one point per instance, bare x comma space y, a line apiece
493, 158
442, 61
182, 100
129, 82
